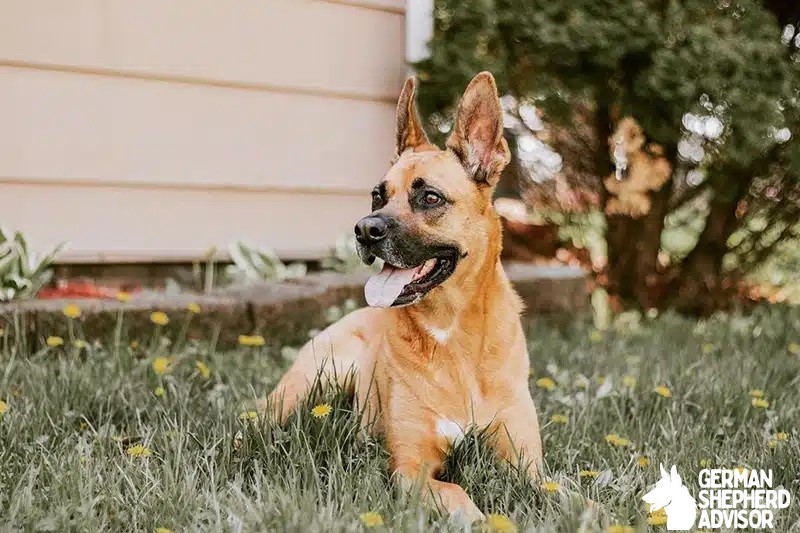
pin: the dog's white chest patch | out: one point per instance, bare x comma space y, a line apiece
451, 431
439, 334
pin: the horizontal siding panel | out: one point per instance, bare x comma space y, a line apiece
66, 126
122, 224
291, 43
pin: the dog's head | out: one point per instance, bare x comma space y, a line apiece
432, 214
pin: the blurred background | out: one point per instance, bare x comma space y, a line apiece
655, 142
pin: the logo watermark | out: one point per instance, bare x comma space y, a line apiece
731, 499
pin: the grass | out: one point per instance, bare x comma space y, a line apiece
76, 418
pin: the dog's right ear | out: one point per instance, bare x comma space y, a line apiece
410, 132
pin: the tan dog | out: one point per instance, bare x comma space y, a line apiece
441, 349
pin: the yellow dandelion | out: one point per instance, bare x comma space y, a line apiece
589, 473
559, 418
657, 518
643, 461
322, 410
708, 348
203, 368
251, 340
163, 530
497, 523
742, 470
756, 393
705, 462
138, 450
551, 486
248, 416
161, 365
761, 403
616, 440
134, 345
159, 318
159, 392
620, 528
3, 407
663, 391
773, 443
601, 380
79, 344
794, 348
193, 308
546, 383
596, 336
71, 311
629, 381
781, 435
123, 296
371, 519
54, 341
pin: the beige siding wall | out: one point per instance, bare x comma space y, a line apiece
142, 131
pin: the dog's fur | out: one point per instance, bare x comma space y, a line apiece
456, 358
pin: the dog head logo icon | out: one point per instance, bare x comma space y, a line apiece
671, 495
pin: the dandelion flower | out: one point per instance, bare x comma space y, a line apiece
163, 530
643, 461
203, 368
138, 450
620, 528
794, 348
705, 462
134, 345
663, 391
3, 407
322, 410
773, 443
596, 336
159, 392
71, 311
629, 381
161, 365
616, 440
251, 340
371, 519
248, 415
589, 473
497, 523
193, 308
657, 518
79, 344
550, 486
123, 296
559, 418
756, 393
54, 341
159, 318
761, 403
546, 383
781, 436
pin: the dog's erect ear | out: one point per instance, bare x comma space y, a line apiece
477, 139
410, 132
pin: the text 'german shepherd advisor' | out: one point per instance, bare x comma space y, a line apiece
441, 348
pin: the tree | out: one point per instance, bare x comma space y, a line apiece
666, 114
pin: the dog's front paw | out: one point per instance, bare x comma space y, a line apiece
458, 504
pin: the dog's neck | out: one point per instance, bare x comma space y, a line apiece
475, 296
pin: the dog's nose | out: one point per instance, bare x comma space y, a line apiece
370, 230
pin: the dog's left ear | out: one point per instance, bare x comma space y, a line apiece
477, 139
410, 132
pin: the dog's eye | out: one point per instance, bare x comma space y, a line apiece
377, 200
431, 199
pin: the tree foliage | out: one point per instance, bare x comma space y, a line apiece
714, 87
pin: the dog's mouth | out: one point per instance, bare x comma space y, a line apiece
396, 287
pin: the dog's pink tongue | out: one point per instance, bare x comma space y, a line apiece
383, 288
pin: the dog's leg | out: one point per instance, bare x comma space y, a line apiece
416, 460
516, 435
338, 355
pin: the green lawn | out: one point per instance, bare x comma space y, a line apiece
73, 418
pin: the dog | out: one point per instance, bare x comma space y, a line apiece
441, 348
